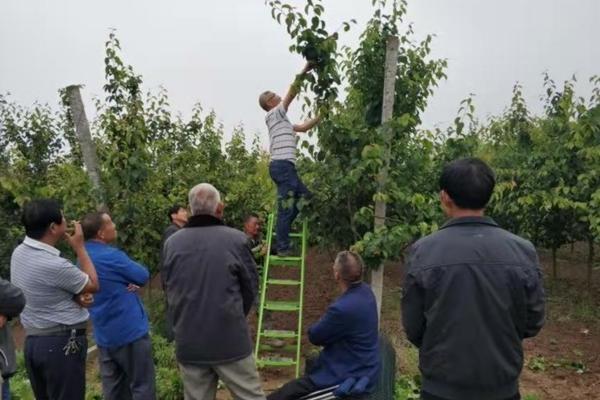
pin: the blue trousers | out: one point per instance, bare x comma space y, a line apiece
290, 190
6, 389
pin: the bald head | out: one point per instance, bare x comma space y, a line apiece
349, 267
204, 198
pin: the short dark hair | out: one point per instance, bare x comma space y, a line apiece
250, 216
174, 210
38, 215
469, 182
91, 224
350, 265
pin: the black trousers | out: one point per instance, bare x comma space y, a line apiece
53, 374
428, 396
128, 371
293, 390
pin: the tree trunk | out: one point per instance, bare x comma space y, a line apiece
389, 94
554, 268
88, 150
590, 266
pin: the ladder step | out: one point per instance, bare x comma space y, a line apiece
282, 306
276, 362
287, 282
293, 261
280, 334
294, 235
288, 348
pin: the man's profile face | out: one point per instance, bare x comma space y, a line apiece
336, 273
252, 227
59, 230
180, 217
273, 100
108, 232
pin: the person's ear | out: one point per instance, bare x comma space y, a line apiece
446, 200
219, 210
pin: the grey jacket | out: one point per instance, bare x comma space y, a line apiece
472, 293
211, 284
12, 302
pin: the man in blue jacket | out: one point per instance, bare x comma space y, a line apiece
348, 333
120, 321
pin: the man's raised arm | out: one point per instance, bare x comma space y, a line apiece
295, 87
306, 125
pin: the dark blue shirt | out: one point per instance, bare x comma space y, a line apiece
348, 333
118, 315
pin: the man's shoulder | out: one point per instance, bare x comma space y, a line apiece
219, 230
362, 295
516, 239
278, 111
237, 235
169, 231
105, 252
34, 256
448, 246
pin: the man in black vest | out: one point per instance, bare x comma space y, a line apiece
472, 293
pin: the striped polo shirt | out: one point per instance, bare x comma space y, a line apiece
282, 137
49, 283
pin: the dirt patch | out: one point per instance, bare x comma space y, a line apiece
568, 347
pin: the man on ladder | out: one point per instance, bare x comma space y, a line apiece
282, 138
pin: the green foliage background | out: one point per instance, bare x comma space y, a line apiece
149, 159
548, 165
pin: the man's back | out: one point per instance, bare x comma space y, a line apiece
49, 283
473, 292
211, 284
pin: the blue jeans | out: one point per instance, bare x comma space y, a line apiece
6, 389
289, 190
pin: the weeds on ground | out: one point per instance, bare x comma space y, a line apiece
408, 388
541, 364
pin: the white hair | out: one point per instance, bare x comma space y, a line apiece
204, 198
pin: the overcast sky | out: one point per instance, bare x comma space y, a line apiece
223, 53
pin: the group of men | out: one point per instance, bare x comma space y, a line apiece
472, 293
211, 283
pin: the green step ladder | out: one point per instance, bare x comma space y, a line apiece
291, 350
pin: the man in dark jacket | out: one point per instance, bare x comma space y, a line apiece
12, 302
348, 333
178, 215
472, 293
211, 284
